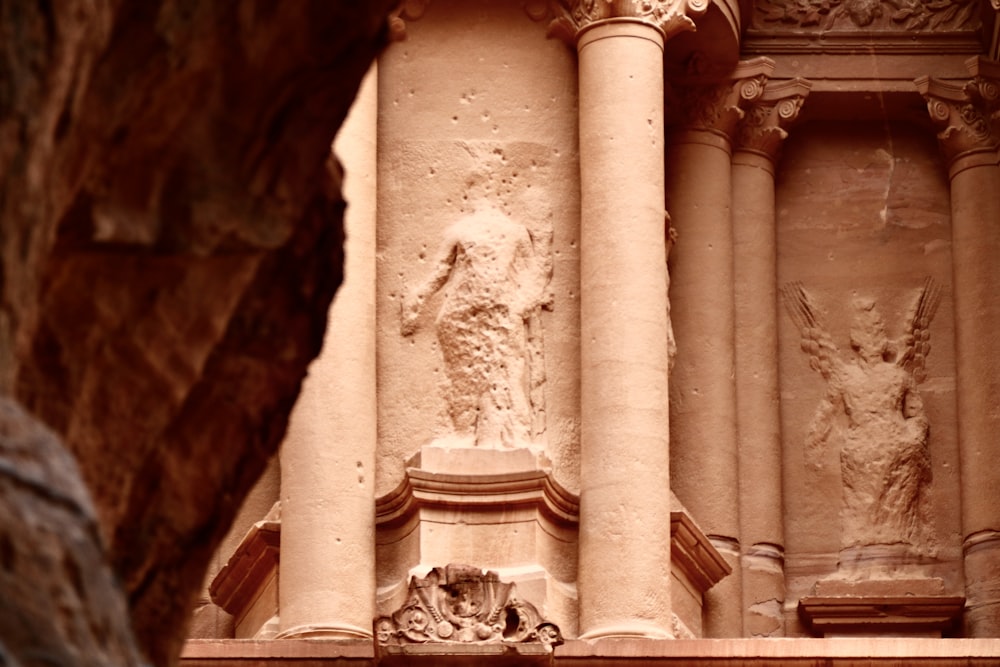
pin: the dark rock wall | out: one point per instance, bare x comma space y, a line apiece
171, 240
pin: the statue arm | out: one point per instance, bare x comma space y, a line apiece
413, 304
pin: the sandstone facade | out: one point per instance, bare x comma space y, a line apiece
662, 321
730, 264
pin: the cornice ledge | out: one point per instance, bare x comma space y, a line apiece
567, 18
421, 488
240, 579
693, 554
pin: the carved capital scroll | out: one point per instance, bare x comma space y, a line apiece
461, 604
967, 113
569, 17
765, 124
719, 108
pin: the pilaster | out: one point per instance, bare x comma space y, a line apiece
758, 140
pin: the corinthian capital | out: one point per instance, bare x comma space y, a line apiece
968, 113
569, 17
720, 107
763, 128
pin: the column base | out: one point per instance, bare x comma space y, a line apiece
630, 630
309, 631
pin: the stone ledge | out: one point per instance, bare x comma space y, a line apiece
855, 652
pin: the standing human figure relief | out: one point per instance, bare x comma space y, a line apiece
873, 408
494, 274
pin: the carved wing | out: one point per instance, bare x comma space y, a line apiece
816, 342
916, 342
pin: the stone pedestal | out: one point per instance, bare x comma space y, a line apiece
496, 509
881, 608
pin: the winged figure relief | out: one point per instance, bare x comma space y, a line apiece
873, 409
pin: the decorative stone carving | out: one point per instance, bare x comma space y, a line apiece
762, 129
883, 15
494, 273
719, 108
461, 604
569, 17
885, 465
968, 113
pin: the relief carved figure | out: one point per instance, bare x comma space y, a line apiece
883, 429
493, 274
883, 15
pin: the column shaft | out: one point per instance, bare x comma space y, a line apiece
624, 567
327, 568
704, 455
975, 219
758, 418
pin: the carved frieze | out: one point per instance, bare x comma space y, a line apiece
568, 17
879, 15
967, 113
874, 414
461, 604
763, 127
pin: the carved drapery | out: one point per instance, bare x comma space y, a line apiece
763, 128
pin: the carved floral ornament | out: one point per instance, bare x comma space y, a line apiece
461, 604
886, 15
968, 114
569, 17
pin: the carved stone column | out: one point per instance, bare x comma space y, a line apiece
327, 566
758, 419
624, 565
704, 455
969, 141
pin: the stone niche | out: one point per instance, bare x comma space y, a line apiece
863, 264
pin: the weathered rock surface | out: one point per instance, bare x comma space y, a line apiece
59, 602
170, 243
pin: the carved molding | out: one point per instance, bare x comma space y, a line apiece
255, 559
719, 108
969, 112
568, 17
462, 604
533, 488
763, 128
877, 15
